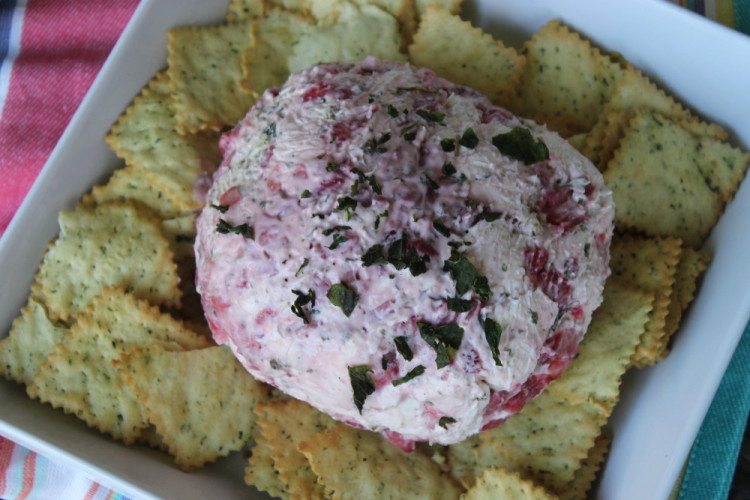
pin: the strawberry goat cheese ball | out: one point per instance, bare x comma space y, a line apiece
399, 252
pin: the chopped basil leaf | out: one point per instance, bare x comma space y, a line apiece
337, 240
245, 230
402, 257
431, 116
586, 249
183, 238
374, 256
391, 110
304, 264
445, 421
466, 275
221, 208
448, 169
469, 139
444, 339
448, 145
362, 384
344, 297
440, 228
408, 131
403, 347
490, 216
414, 373
482, 288
521, 145
534, 317
492, 332
374, 185
327, 232
346, 204
373, 146
305, 194
430, 183
333, 165
457, 304
270, 130
302, 300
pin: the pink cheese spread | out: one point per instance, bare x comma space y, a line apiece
400, 253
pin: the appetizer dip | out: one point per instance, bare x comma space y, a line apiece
399, 252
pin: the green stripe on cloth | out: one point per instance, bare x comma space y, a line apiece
742, 15
713, 458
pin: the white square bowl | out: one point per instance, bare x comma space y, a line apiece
701, 63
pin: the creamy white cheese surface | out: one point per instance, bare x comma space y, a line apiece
400, 253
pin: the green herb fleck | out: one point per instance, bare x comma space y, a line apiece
270, 130
362, 384
304, 264
391, 110
414, 373
333, 165
448, 169
305, 194
492, 332
346, 204
245, 229
534, 317
431, 116
448, 145
344, 297
330, 230
490, 216
441, 228
403, 347
221, 208
301, 301
445, 421
374, 256
444, 339
418, 89
469, 139
586, 250
521, 145
373, 145
374, 185
337, 240
430, 183
460, 305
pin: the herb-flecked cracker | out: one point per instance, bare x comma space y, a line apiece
649, 264
499, 483
200, 401
354, 464
260, 471
79, 377
659, 169
459, 52
357, 32
146, 137
452, 6
205, 67
606, 350
33, 336
285, 424
114, 244
566, 81
586, 474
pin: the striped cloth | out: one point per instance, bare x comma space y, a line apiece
50, 53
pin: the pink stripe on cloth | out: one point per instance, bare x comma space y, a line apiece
63, 46
6, 453
29, 473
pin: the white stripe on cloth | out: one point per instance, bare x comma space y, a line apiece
14, 47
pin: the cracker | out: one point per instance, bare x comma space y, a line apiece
33, 336
285, 424
452, 6
328, 12
499, 483
239, 11
586, 474
260, 471
456, 50
205, 67
659, 169
691, 266
354, 464
649, 264
108, 245
200, 401
180, 232
610, 342
133, 184
545, 442
145, 136
358, 31
566, 81
79, 377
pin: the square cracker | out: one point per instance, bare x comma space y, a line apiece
604, 355
499, 483
200, 401
456, 50
79, 377
33, 336
285, 423
205, 67
114, 244
355, 464
146, 137
650, 265
566, 81
661, 168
